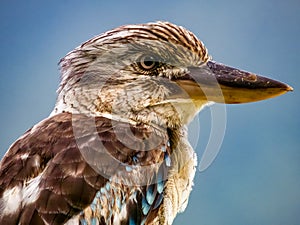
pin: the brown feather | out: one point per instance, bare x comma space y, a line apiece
68, 182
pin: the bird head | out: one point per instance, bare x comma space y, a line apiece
153, 73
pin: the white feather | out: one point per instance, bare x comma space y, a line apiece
11, 200
15, 198
31, 190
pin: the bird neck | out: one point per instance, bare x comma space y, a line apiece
128, 104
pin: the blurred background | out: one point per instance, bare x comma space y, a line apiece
255, 179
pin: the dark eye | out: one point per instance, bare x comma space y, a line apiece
148, 62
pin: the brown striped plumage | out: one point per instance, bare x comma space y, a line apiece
77, 61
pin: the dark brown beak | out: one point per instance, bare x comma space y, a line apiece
223, 84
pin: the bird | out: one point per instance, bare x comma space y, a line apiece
115, 148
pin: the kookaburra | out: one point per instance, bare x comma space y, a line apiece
114, 150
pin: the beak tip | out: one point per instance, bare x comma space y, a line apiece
289, 88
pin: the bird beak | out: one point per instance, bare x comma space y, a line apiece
223, 84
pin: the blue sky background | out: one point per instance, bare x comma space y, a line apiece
255, 179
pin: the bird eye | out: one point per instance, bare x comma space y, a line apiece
147, 62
